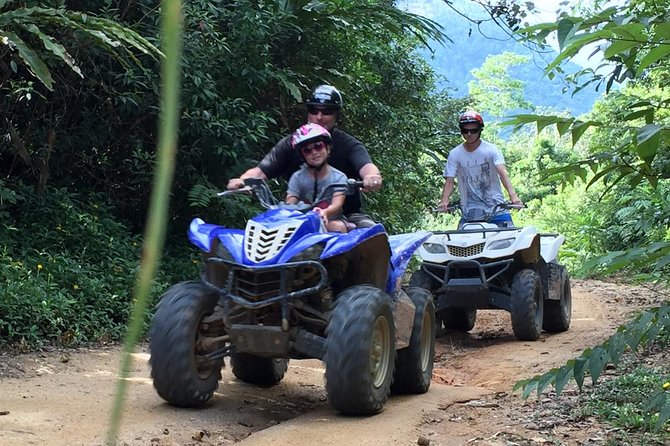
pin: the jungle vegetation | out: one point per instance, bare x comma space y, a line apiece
79, 94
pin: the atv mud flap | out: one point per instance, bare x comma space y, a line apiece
466, 284
273, 342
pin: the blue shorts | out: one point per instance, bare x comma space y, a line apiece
500, 220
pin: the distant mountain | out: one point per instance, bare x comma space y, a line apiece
471, 45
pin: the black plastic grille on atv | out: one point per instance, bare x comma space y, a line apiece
256, 286
467, 251
259, 285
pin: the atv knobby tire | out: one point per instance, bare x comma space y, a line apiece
421, 279
360, 351
527, 305
557, 313
414, 363
461, 319
181, 375
257, 370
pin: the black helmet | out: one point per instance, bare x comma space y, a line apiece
325, 95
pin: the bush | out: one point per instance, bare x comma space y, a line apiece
71, 280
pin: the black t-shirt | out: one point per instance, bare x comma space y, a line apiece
347, 155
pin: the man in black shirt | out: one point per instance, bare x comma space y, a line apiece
348, 155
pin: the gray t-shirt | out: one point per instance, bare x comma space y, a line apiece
476, 175
301, 185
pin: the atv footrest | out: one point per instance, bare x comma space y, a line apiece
260, 340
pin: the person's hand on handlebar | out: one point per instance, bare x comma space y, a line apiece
516, 200
235, 183
442, 207
372, 182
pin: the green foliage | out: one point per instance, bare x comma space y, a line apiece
624, 400
68, 270
641, 332
22, 30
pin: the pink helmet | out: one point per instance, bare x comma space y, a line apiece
310, 133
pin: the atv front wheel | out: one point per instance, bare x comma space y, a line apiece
414, 363
461, 319
360, 351
557, 313
527, 305
182, 374
254, 369
421, 279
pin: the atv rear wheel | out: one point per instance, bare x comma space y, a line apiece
257, 370
182, 375
414, 363
461, 319
360, 351
527, 305
557, 313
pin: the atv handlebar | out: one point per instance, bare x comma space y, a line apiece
456, 206
259, 188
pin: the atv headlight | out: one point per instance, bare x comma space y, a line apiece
311, 253
501, 244
434, 248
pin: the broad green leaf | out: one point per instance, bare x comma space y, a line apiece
580, 368
615, 346
528, 389
55, 47
545, 379
576, 44
578, 129
662, 31
648, 138
32, 60
563, 376
597, 362
653, 56
656, 401
639, 114
563, 127
630, 31
601, 174
565, 30
618, 46
662, 262
663, 416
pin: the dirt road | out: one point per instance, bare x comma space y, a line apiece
64, 397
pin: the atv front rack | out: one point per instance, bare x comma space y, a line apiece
266, 285
472, 288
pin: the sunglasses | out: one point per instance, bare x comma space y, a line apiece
470, 131
313, 110
316, 147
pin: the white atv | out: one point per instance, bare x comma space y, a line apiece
483, 266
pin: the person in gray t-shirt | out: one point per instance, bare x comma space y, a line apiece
313, 182
480, 169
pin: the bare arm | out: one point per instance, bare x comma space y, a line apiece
237, 183
335, 206
504, 178
372, 178
447, 189
291, 199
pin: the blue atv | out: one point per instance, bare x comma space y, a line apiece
284, 288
